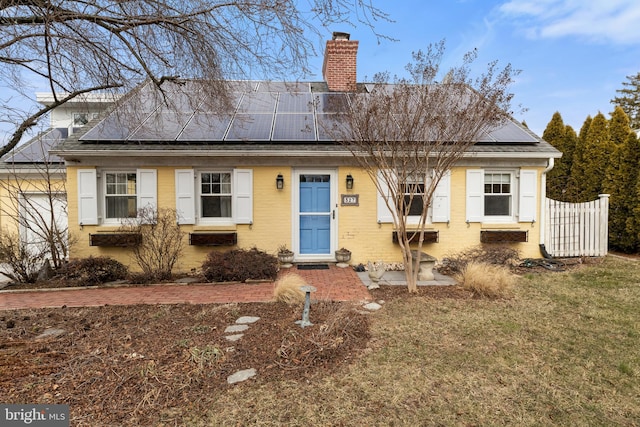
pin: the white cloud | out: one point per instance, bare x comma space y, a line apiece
615, 21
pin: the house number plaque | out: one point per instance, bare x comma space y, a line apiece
350, 199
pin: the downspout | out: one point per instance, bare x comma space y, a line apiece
543, 217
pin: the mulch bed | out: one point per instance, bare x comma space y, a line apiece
134, 365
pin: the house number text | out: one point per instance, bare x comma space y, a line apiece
350, 199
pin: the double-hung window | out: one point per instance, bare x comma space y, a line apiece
413, 199
110, 196
413, 193
498, 195
120, 195
501, 196
215, 195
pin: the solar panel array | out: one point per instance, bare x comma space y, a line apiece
37, 149
260, 112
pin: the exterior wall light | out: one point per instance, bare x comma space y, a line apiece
279, 182
349, 182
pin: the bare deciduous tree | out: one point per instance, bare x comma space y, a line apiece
78, 47
161, 241
408, 134
34, 198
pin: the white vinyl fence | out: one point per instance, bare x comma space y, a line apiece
577, 229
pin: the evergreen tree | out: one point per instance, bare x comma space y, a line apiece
620, 183
578, 167
619, 131
597, 152
564, 139
629, 99
624, 220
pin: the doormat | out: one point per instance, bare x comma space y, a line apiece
313, 266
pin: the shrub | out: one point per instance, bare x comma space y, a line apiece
287, 289
161, 241
493, 255
239, 265
93, 271
486, 280
22, 262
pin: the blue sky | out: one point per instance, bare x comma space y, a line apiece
573, 54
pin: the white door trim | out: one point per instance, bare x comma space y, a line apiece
295, 213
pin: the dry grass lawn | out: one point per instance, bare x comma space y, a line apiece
562, 351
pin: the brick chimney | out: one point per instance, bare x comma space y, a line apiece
339, 67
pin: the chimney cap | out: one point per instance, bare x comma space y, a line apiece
337, 35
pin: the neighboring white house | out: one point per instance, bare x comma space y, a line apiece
32, 181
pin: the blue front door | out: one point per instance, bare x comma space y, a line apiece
315, 214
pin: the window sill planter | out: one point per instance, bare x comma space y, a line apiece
120, 240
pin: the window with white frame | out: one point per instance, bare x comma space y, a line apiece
498, 195
413, 191
215, 195
109, 196
120, 195
81, 119
438, 210
502, 195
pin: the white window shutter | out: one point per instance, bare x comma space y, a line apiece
528, 195
147, 188
185, 196
243, 196
441, 200
475, 195
87, 197
384, 214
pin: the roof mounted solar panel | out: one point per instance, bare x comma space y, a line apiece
37, 149
294, 127
295, 103
206, 127
250, 127
282, 87
161, 126
258, 102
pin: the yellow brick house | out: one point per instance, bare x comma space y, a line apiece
265, 174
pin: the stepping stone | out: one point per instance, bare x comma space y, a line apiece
236, 328
50, 333
235, 337
247, 319
372, 306
241, 376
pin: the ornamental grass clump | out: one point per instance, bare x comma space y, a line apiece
487, 280
287, 289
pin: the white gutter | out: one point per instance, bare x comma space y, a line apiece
267, 153
543, 199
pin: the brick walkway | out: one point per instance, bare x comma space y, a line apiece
336, 284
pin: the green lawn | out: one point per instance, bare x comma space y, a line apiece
564, 351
